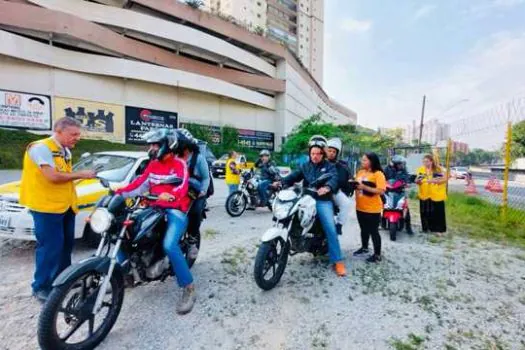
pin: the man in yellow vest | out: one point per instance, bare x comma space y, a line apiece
48, 190
232, 174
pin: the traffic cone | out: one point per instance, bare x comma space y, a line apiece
490, 183
471, 187
496, 186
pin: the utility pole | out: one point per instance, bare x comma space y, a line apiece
422, 120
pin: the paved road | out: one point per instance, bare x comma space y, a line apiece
516, 192
9, 175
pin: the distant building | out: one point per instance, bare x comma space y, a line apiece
433, 132
456, 146
299, 24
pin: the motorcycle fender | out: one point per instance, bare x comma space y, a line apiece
94, 263
392, 216
273, 233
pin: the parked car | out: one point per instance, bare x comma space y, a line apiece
459, 172
120, 168
218, 167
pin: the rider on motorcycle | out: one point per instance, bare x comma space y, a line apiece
265, 164
174, 199
308, 173
396, 171
199, 172
343, 175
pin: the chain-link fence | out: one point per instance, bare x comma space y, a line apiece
486, 162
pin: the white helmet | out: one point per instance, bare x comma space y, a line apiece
335, 143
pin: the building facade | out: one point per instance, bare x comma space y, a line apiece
299, 24
122, 65
433, 132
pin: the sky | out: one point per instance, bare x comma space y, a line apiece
382, 56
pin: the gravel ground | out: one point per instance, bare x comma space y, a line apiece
426, 294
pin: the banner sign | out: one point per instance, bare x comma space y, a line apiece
27, 111
141, 120
256, 139
99, 120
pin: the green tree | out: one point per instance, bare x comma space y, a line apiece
518, 140
201, 132
196, 4
230, 137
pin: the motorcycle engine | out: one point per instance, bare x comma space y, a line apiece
157, 269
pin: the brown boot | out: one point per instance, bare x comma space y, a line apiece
187, 300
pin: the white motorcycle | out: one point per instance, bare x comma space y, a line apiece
296, 229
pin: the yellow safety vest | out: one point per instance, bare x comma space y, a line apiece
435, 192
230, 177
40, 194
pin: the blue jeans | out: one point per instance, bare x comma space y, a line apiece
263, 190
177, 223
232, 188
325, 212
55, 237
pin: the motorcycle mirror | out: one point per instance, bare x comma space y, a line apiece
104, 182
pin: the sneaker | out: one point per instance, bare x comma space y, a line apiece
362, 251
374, 259
340, 269
339, 229
187, 300
410, 232
193, 252
41, 295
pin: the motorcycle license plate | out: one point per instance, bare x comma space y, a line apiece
4, 222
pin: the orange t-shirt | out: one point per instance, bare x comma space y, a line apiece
370, 203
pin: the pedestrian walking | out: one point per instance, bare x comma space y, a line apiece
48, 190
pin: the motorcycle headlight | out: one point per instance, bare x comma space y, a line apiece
101, 220
281, 210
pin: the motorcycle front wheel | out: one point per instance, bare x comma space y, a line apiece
393, 231
66, 320
236, 204
270, 263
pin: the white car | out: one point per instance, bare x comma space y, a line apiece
459, 172
120, 168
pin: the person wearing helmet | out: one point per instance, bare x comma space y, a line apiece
396, 171
200, 180
334, 147
310, 172
174, 198
266, 166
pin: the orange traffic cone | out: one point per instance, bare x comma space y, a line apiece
471, 187
490, 183
496, 186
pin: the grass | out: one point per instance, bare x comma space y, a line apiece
481, 220
11, 157
414, 342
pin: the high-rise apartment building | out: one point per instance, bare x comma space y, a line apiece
433, 132
299, 24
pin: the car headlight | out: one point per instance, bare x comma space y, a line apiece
281, 210
101, 220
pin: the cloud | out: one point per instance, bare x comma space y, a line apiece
484, 9
424, 11
356, 26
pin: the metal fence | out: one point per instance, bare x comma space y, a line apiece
496, 173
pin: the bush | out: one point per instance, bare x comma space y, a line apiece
196, 4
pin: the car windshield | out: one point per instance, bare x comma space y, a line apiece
110, 167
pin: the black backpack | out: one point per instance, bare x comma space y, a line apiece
191, 168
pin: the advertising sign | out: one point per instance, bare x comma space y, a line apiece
99, 120
256, 139
23, 110
141, 120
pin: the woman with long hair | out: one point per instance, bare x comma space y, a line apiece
371, 185
432, 192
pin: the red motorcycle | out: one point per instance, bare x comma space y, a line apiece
395, 207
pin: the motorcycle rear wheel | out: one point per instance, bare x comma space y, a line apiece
236, 204
77, 313
272, 255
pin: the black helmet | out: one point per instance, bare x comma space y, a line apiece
186, 141
397, 159
165, 138
264, 152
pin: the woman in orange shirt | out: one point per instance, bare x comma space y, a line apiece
371, 185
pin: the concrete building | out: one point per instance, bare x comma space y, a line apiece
107, 62
433, 132
299, 24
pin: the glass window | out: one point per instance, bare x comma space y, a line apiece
110, 167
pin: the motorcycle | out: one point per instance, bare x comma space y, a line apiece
296, 229
395, 208
87, 296
247, 195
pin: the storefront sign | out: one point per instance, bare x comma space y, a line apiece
141, 120
99, 120
256, 139
27, 111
